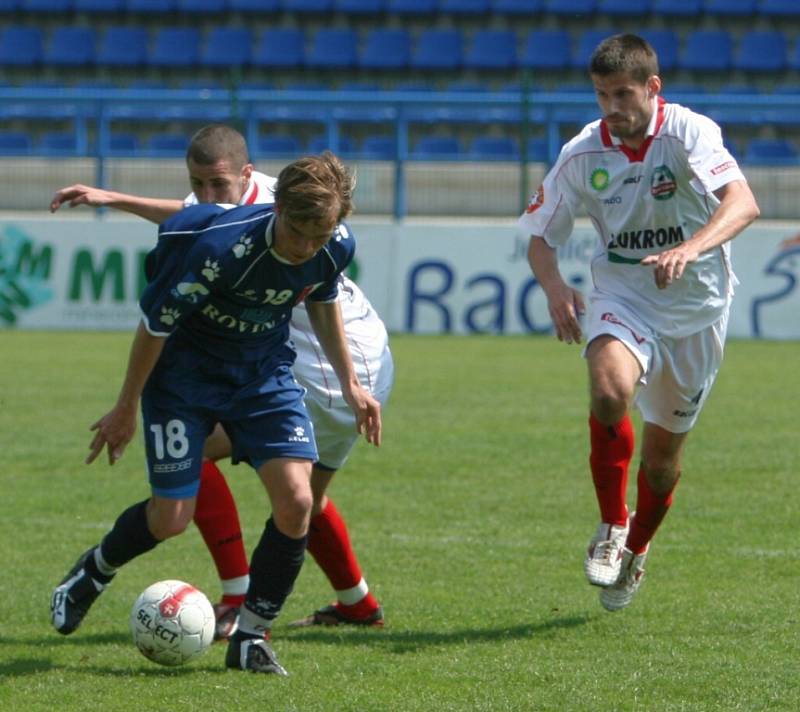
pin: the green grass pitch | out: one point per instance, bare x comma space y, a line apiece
470, 523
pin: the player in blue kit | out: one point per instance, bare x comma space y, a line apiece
212, 348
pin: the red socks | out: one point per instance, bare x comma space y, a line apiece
218, 521
329, 544
611, 453
650, 511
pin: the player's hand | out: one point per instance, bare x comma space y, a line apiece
113, 431
79, 194
566, 306
367, 411
670, 265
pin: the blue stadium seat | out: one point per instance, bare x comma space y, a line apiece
494, 148
570, 7
168, 144
779, 8
587, 43
433, 147
629, 8
151, 7
517, 7
333, 49
707, 51
276, 145
175, 47
46, 6
761, 51
262, 7
730, 8
546, 49
378, 148
71, 46
122, 46
99, 6
318, 144
307, 5
9, 6
227, 47
677, 8
58, 143
386, 49
464, 7
15, 143
20, 46
492, 49
792, 61
281, 47
538, 150
413, 7
438, 49
360, 7
771, 152
123, 143
201, 7
665, 43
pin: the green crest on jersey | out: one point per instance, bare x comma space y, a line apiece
662, 183
599, 179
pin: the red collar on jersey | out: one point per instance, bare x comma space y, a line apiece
251, 199
638, 155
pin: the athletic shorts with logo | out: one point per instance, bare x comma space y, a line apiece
259, 404
677, 373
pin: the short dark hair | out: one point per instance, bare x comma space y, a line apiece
624, 54
217, 142
315, 188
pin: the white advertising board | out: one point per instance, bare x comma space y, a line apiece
422, 278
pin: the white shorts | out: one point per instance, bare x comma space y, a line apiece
677, 374
335, 431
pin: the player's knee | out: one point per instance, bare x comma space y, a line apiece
168, 528
609, 404
292, 513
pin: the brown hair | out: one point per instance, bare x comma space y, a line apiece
624, 54
217, 142
315, 188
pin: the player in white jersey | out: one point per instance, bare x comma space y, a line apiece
220, 172
665, 197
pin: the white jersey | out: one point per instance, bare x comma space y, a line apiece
260, 189
642, 203
367, 341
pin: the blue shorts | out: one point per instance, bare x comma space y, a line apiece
259, 404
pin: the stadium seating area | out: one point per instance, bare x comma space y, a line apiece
413, 47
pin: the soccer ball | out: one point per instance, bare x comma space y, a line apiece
172, 622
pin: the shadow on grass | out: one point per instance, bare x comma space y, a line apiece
408, 641
398, 642
37, 666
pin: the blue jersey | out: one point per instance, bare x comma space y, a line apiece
215, 281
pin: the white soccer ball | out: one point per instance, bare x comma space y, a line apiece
172, 622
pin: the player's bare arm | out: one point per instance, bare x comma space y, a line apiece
155, 210
737, 209
564, 303
326, 320
117, 427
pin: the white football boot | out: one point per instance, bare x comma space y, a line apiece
631, 576
604, 555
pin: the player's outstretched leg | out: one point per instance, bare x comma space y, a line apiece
329, 544
252, 655
76, 593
